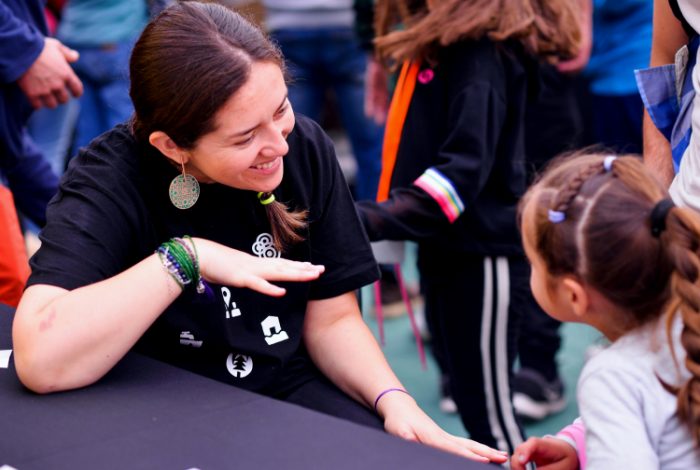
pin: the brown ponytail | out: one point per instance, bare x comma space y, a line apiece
285, 224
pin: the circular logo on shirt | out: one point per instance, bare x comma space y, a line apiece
239, 365
264, 246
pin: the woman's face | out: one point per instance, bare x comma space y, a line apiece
246, 148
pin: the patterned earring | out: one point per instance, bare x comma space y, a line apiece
184, 189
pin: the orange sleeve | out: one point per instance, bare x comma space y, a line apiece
14, 267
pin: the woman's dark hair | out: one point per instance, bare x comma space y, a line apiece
609, 241
186, 65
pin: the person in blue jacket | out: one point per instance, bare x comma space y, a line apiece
34, 72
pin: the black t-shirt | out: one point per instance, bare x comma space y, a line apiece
112, 210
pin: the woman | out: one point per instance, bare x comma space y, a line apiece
204, 155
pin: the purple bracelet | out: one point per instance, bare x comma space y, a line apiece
376, 401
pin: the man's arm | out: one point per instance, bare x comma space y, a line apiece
20, 45
50, 78
668, 37
39, 65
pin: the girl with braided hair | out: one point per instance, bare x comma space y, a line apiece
609, 249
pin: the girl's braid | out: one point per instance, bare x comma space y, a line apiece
566, 195
682, 244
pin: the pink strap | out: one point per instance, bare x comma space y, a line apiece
409, 308
411, 316
378, 311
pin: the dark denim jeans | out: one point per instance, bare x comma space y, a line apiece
321, 59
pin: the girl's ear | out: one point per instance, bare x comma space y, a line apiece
577, 296
168, 147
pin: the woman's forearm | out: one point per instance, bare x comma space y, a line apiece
68, 339
344, 349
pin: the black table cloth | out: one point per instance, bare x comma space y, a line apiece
146, 414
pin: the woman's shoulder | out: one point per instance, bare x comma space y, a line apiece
307, 132
111, 167
311, 169
310, 146
115, 150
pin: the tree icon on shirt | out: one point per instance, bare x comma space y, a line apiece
239, 365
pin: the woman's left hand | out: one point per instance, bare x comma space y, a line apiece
403, 418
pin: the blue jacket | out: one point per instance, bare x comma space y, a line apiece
22, 167
22, 32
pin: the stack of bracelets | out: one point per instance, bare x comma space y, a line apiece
181, 261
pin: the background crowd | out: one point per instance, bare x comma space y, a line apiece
442, 113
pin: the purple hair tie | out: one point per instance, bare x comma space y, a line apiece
608, 163
556, 216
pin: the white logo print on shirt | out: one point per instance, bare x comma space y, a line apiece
187, 339
264, 246
231, 309
273, 331
239, 365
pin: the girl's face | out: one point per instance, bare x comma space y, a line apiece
547, 289
246, 148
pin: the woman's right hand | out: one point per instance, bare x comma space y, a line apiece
548, 453
223, 265
403, 418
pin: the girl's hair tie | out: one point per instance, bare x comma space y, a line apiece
556, 216
658, 216
608, 163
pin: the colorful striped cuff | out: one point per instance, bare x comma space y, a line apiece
443, 191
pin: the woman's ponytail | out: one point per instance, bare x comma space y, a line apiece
285, 224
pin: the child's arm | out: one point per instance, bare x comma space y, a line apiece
575, 435
459, 171
548, 453
565, 451
408, 214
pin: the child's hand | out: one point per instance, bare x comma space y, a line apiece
547, 453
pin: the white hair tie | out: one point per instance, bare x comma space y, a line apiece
556, 217
608, 163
